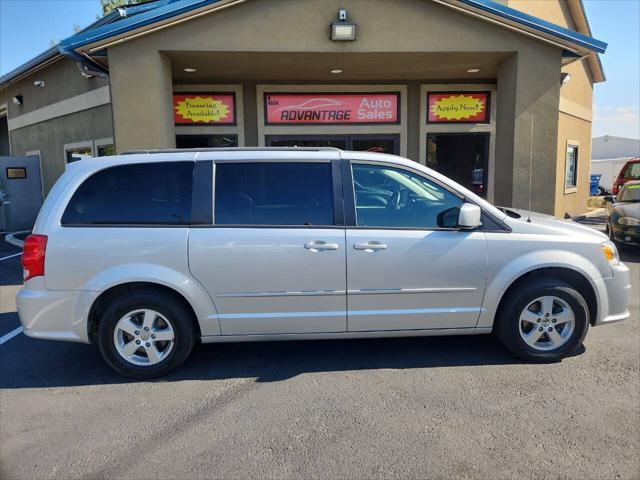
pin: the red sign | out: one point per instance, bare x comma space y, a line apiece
458, 107
327, 108
204, 108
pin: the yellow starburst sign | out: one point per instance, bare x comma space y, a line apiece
458, 107
204, 108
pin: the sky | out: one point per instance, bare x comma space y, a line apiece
24, 34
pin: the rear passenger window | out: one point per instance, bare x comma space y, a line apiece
273, 194
145, 194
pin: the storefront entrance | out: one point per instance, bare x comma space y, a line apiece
206, 141
462, 157
367, 143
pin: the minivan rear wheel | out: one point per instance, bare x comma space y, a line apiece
145, 334
543, 320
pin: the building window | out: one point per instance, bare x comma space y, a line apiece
75, 154
571, 168
105, 150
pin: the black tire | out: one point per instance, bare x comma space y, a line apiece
168, 306
508, 319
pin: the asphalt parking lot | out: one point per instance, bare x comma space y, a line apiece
423, 408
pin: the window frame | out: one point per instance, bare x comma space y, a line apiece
350, 203
576, 145
70, 147
336, 187
70, 197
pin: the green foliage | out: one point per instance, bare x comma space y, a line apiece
110, 5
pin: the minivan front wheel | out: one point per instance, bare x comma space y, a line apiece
145, 334
543, 320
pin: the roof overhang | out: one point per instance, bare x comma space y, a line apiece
575, 44
130, 22
171, 13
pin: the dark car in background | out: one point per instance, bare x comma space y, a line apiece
623, 214
628, 173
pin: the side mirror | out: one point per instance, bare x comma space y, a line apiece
469, 217
609, 199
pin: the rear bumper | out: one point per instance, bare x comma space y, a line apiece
54, 315
614, 296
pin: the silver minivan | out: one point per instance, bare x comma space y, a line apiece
146, 253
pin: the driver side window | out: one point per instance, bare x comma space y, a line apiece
397, 198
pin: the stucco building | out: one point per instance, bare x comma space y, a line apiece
453, 84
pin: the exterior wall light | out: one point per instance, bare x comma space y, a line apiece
342, 30
39, 83
565, 78
17, 99
190, 70
473, 70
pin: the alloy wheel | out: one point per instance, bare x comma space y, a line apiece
144, 337
546, 323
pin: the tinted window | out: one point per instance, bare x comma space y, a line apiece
392, 197
273, 194
147, 193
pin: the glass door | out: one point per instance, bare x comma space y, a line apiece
463, 157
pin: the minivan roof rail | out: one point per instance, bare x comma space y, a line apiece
233, 149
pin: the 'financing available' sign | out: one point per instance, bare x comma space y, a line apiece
204, 108
327, 108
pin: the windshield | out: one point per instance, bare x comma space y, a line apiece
632, 171
630, 193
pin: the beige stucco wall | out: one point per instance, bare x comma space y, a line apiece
556, 11
573, 130
141, 77
575, 108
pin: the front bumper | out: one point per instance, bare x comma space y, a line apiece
54, 315
629, 235
614, 293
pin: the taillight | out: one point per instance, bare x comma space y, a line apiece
33, 256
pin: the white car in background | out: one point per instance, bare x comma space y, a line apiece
144, 254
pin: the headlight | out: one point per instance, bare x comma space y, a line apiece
629, 221
610, 252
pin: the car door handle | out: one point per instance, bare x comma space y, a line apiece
319, 245
370, 246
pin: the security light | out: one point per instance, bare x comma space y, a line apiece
343, 30
39, 83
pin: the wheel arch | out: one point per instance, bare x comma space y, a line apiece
102, 301
567, 275
569, 267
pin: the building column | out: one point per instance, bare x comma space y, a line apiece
142, 100
528, 88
